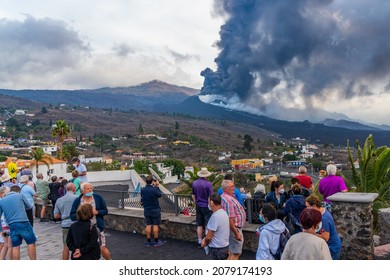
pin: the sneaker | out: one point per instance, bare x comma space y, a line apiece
159, 243
148, 244
41, 220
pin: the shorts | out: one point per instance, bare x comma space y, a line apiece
152, 218
20, 231
220, 253
235, 246
203, 215
65, 231
45, 202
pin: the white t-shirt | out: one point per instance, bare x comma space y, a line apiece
219, 223
81, 168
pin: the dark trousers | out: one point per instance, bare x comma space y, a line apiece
30, 216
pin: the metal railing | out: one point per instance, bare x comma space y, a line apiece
172, 203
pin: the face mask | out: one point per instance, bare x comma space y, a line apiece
75, 165
319, 227
209, 207
281, 191
89, 194
261, 218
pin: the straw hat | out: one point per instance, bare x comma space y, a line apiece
5, 178
204, 172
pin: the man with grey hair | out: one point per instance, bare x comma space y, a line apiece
28, 192
99, 211
62, 211
42, 193
331, 184
5, 240
304, 179
237, 218
13, 206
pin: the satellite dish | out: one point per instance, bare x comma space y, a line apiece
155, 175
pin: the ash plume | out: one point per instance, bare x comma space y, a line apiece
281, 50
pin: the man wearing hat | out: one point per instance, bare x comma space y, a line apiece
5, 181
201, 190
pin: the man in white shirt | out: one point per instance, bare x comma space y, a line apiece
81, 169
218, 230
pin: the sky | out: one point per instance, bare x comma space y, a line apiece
95, 43
71, 44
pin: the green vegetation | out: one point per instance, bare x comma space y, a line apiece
38, 155
61, 131
178, 166
103, 166
248, 143
69, 151
214, 178
373, 175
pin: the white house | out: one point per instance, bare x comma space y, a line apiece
19, 112
48, 149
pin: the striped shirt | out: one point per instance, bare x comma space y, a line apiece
234, 209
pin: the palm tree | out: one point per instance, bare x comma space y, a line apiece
214, 178
38, 155
61, 130
373, 175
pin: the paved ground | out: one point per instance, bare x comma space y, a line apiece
122, 245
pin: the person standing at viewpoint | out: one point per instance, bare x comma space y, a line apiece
152, 211
201, 191
237, 217
99, 208
62, 212
81, 169
303, 178
14, 206
331, 184
218, 230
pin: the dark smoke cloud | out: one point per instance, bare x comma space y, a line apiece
310, 47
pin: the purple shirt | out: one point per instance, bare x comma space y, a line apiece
330, 185
202, 189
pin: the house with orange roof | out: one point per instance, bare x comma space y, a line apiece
57, 167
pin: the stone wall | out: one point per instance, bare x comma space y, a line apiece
384, 226
176, 227
353, 215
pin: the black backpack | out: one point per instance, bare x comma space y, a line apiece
283, 238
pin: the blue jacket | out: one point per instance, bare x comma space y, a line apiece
149, 198
14, 206
271, 198
295, 206
100, 207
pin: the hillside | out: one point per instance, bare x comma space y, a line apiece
316, 133
207, 137
140, 97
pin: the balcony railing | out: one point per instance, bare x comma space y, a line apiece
172, 203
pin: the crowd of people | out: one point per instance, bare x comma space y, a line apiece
75, 206
299, 215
